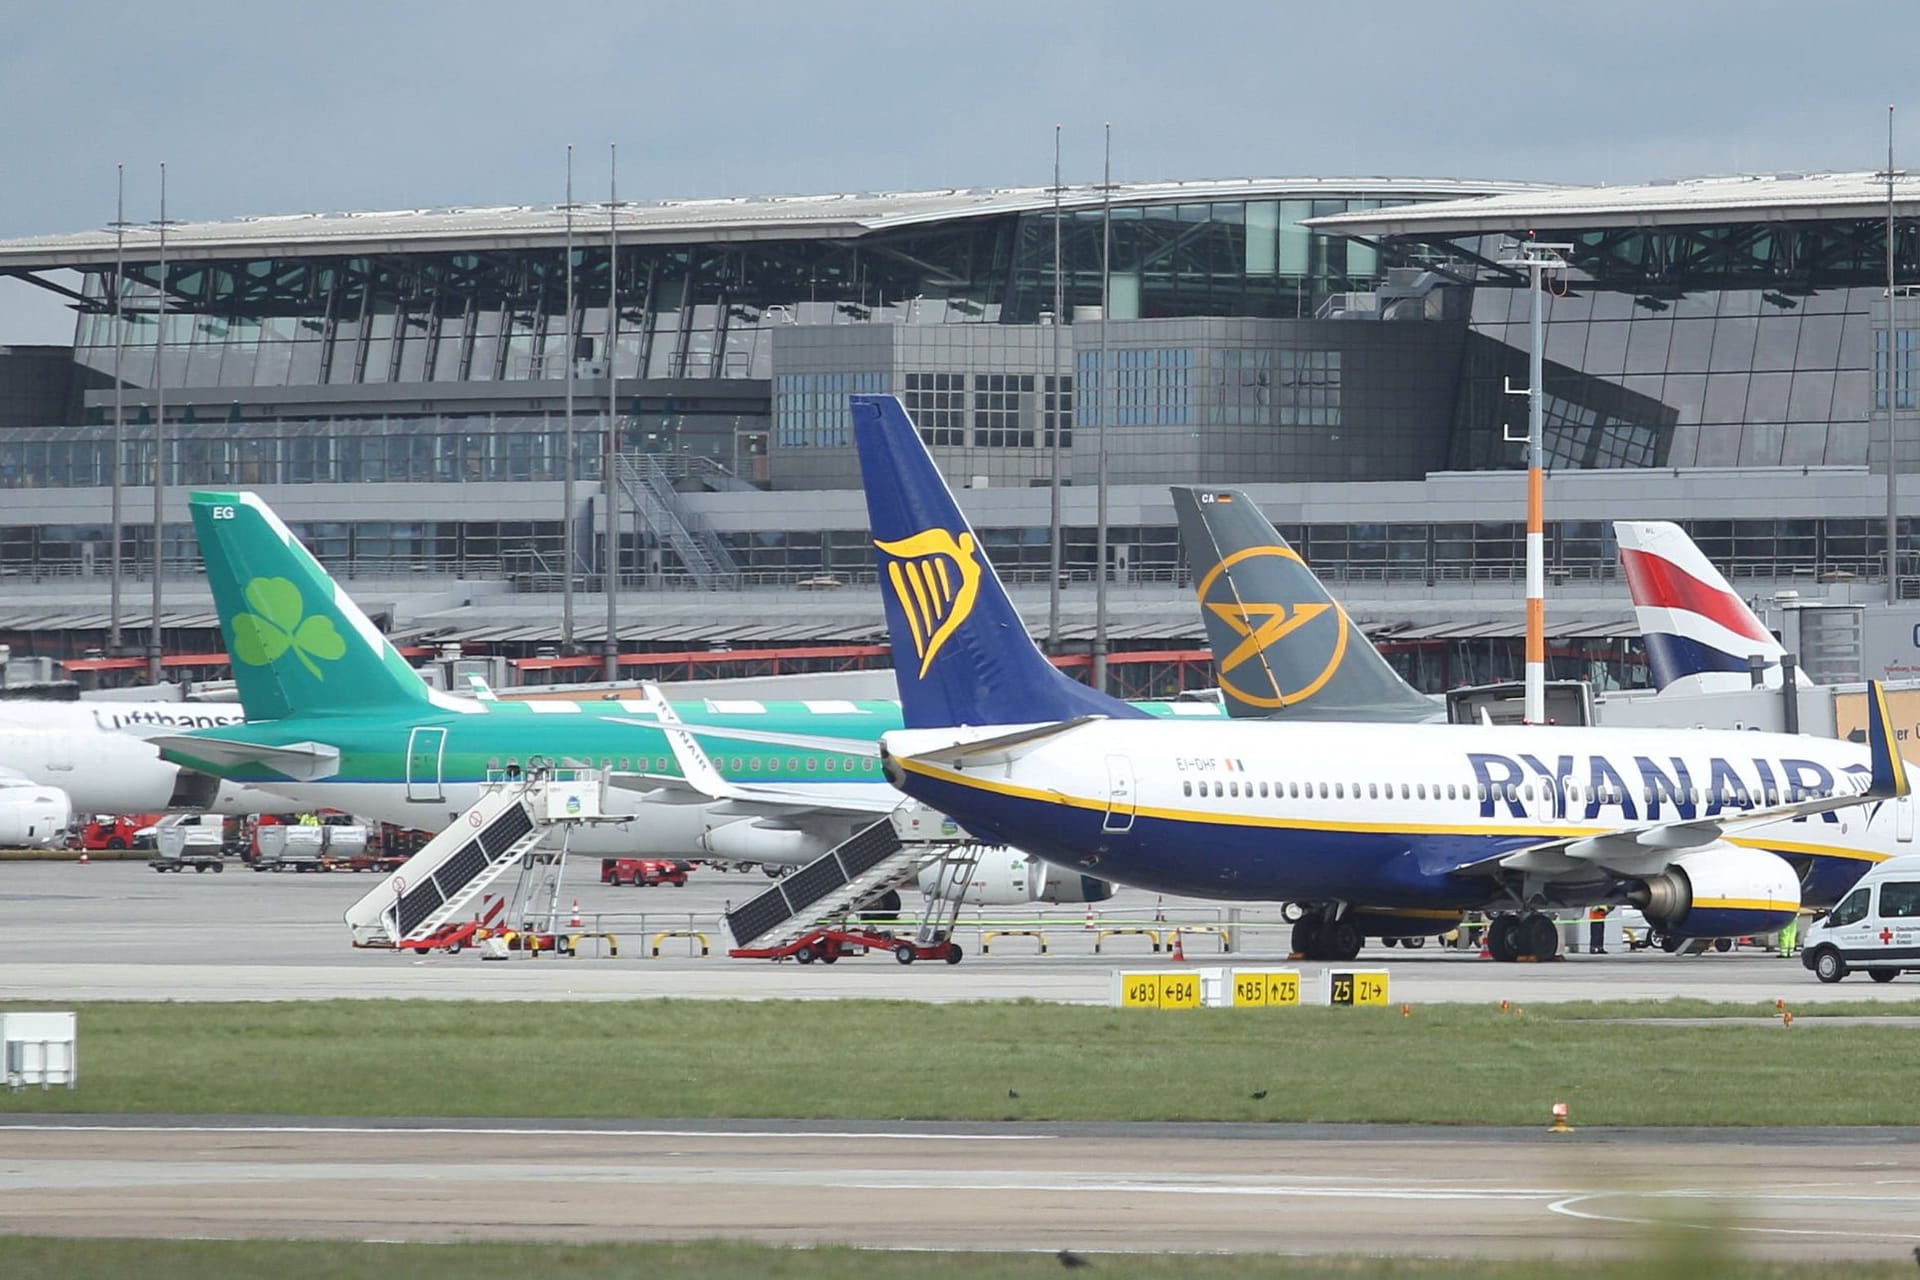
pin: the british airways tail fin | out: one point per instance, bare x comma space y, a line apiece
1284, 649
961, 655
1700, 634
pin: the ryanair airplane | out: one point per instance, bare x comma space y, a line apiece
1384, 829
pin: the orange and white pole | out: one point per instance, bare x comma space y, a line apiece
1538, 259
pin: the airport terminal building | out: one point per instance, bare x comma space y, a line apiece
397, 384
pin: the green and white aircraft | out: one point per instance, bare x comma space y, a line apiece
337, 719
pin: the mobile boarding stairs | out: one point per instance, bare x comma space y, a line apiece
439, 886
814, 914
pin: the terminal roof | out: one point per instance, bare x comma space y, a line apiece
1780, 197
738, 218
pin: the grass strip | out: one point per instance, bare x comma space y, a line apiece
35, 1257
1443, 1064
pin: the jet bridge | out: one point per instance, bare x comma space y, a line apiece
515, 815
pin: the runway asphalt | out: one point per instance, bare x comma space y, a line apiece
120, 931
1825, 1196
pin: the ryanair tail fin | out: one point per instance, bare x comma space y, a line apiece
961, 654
1283, 648
299, 646
1701, 636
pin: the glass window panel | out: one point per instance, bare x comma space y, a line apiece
1806, 443
1852, 391
1726, 398
1719, 445
1819, 346
1566, 344
1295, 249
1606, 355
1733, 339
1692, 344
1767, 397
1812, 396
1263, 231
1760, 444
1647, 344
1778, 340
1686, 394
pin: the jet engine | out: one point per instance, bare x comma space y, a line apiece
1006, 877
1718, 892
33, 817
746, 840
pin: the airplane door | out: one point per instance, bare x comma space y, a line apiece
1903, 820
425, 747
1119, 794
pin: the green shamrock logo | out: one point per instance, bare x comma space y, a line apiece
276, 625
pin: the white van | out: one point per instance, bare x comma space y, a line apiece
1876, 927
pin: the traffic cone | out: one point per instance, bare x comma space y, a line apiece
1560, 1124
575, 922
1090, 915
1179, 952
83, 859
1486, 945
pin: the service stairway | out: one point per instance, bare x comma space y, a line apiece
514, 816
855, 874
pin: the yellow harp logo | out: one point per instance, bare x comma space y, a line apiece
936, 579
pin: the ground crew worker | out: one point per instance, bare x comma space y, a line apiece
1597, 930
1789, 935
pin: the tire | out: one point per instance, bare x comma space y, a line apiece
1500, 940
218, 867
1671, 943
1828, 966
904, 953
1388, 942
1413, 944
1344, 941
116, 843
954, 954
829, 956
199, 867
1306, 937
1883, 975
1538, 936
805, 953
1723, 945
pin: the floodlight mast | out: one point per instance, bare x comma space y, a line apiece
1538, 259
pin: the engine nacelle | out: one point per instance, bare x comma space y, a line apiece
1719, 892
747, 841
33, 817
1004, 877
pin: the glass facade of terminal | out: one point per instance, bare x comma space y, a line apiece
1708, 346
699, 311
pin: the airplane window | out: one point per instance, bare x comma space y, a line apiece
1263, 791
833, 762
793, 764
660, 764
1421, 791
1233, 789
813, 764
1339, 791
1526, 792
1323, 791
1373, 791
733, 765
753, 765
1219, 789
623, 763
1186, 788
1406, 792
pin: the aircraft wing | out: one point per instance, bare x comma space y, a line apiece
768, 737
1653, 845
307, 761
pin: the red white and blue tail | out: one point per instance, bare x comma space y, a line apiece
1700, 634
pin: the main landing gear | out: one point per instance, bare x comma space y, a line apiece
1318, 936
1532, 935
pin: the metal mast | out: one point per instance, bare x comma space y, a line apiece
1059, 420
1106, 419
1893, 465
159, 441
119, 351
1538, 259
566, 500
610, 647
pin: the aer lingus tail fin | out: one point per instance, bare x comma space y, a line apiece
299, 645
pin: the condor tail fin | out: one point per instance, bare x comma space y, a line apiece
1283, 647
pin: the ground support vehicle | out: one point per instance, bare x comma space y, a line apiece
1875, 928
198, 860
828, 945
641, 872
116, 833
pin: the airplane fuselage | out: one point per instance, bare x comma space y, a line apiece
1385, 815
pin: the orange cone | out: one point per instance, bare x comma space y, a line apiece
1179, 952
1089, 915
575, 922
83, 859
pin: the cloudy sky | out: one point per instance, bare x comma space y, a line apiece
264, 107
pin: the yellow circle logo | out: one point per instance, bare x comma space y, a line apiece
1250, 671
